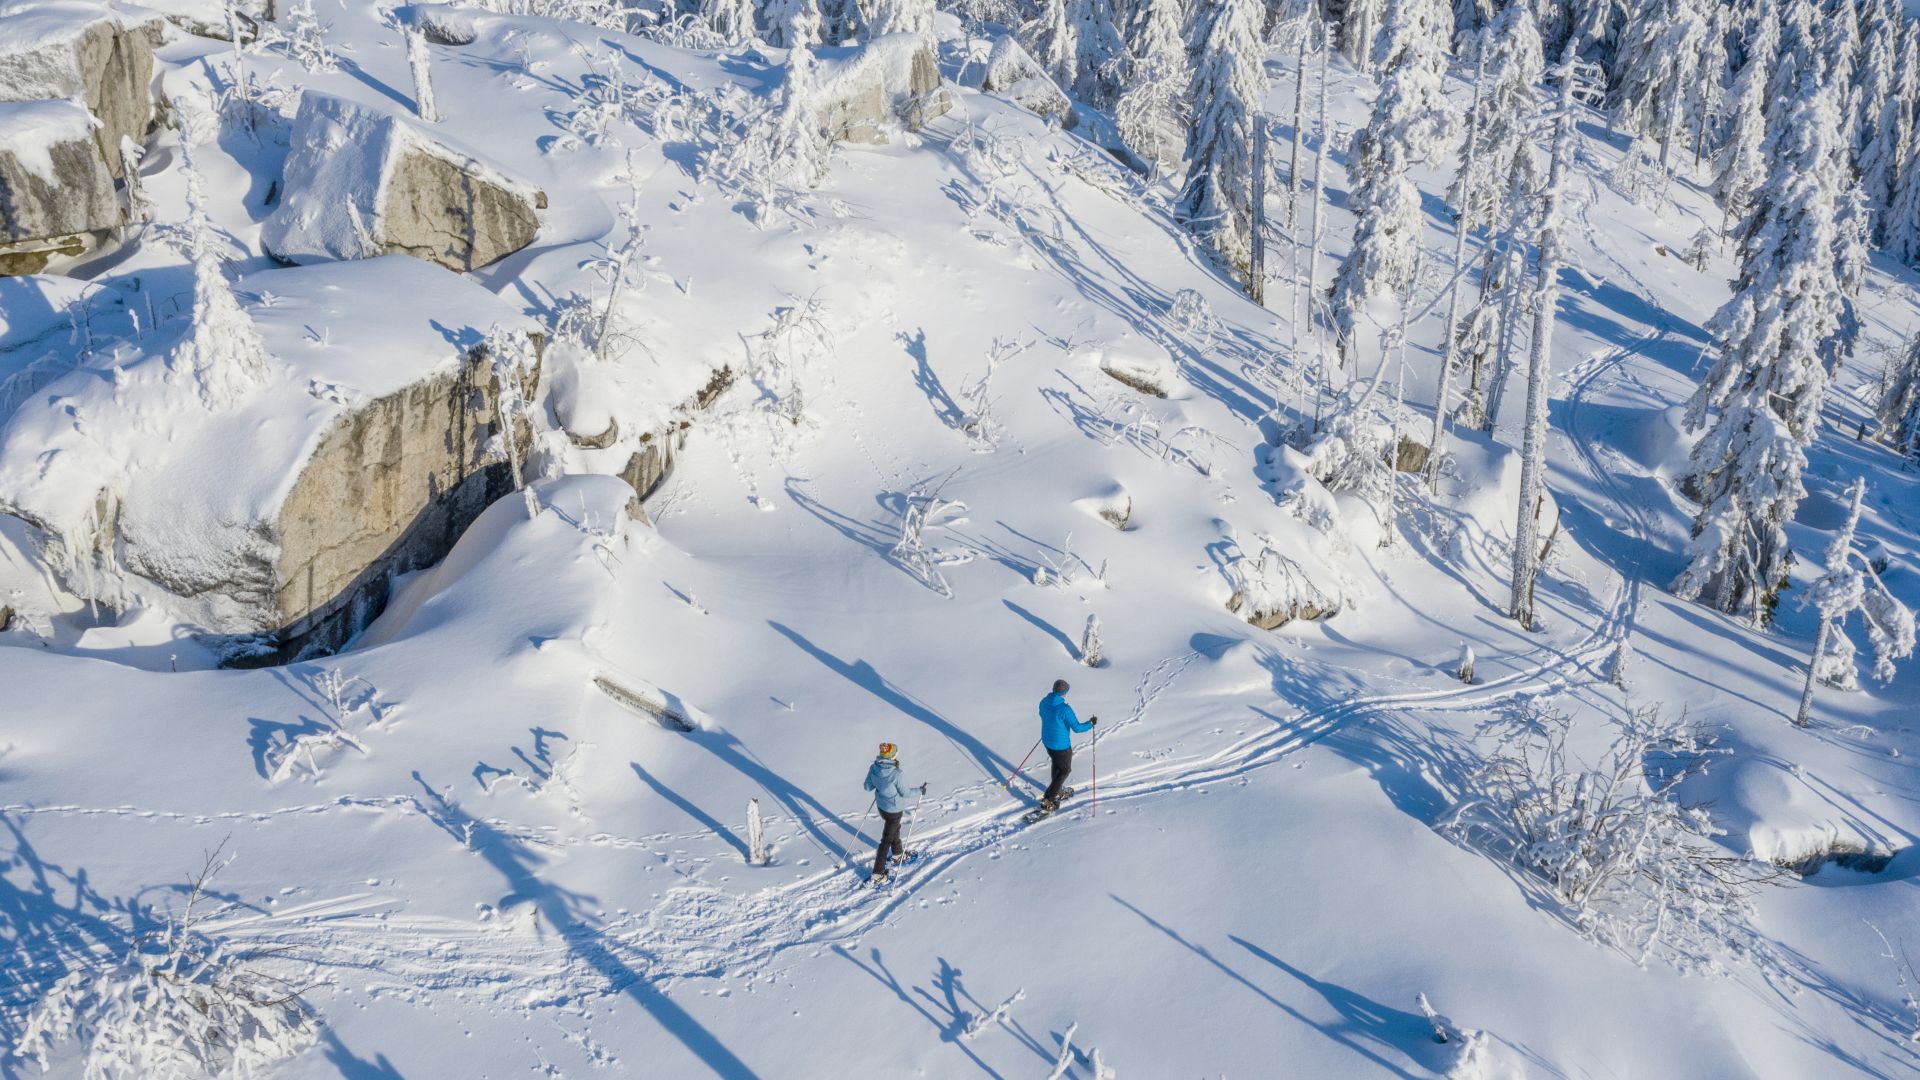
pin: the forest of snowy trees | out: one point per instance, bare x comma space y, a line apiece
1798, 116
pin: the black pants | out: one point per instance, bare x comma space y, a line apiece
889, 841
1062, 767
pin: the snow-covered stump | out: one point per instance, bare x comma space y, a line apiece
367, 442
56, 189
85, 51
756, 835
361, 181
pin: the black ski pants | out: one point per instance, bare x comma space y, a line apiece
889, 841
1062, 767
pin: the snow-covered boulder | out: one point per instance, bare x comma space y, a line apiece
55, 187
78, 49
1014, 74
208, 18
369, 446
890, 81
363, 181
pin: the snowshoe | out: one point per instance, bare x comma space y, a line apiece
1048, 806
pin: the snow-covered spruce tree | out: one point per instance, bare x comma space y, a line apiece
1837, 39
791, 24
306, 38
1852, 243
1050, 37
1741, 164
1849, 585
1903, 222
903, 17
1707, 102
1102, 60
222, 350
1412, 122
1359, 28
1761, 401
1450, 352
1884, 139
1503, 118
1216, 201
1546, 305
1091, 647
1657, 67
798, 135
1154, 112
731, 19
1899, 410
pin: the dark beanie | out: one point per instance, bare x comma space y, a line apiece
1059, 686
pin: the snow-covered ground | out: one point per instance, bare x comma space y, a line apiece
486, 865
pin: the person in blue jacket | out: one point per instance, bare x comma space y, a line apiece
890, 795
1057, 728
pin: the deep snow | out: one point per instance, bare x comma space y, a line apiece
508, 870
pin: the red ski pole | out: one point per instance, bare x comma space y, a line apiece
1008, 786
1095, 803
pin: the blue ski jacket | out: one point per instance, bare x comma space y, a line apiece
883, 779
1057, 723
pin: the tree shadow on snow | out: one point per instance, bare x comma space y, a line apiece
953, 1024
570, 915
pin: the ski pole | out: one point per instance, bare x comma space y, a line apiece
845, 855
1094, 801
915, 816
1023, 764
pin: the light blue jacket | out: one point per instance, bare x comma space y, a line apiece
883, 779
1057, 723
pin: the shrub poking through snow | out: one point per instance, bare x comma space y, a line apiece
1272, 590
1464, 670
306, 38
179, 1003
222, 349
1849, 585
1090, 644
914, 553
508, 351
756, 835
1631, 865
420, 64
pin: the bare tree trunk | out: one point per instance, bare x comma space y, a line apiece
1449, 352
1805, 714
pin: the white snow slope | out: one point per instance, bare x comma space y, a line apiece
504, 871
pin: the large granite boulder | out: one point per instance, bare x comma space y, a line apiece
78, 49
276, 523
892, 81
362, 181
55, 187
208, 18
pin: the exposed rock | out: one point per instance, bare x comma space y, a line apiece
892, 80
362, 182
55, 190
208, 18
444, 24
6, 618
1273, 618
1411, 456
78, 49
368, 452
1013, 73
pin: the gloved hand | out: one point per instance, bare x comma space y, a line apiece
1093, 719
923, 787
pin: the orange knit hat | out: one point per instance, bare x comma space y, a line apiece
886, 749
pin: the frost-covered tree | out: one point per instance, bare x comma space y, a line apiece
1495, 329
1052, 42
1154, 112
1217, 199
1707, 100
306, 38
420, 64
1359, 28
903, 17
1760, 402
1899, 412
1546, 306
1852, 243
1742, 162
731, 19
1657, 67
1502, 121
1849, 585
222, 350
1903, 221
1884, 135
791, 24
1412, 122
1102, 60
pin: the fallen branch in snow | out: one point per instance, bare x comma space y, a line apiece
1066, 1053
999, 1014
642, 704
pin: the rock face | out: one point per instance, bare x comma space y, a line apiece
74, 49
208, 18
55, 188
368, 453
362, 182
888, 82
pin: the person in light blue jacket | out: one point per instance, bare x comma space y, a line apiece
1057, 728
890, 795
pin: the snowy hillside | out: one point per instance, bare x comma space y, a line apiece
821, 398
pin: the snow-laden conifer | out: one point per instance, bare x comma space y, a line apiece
1850, 585
731, 19
1155, 110
1760, 402
1741, 164
1216, 201
791, 24
1050, 37
222, 349
1903, 221
1657, 68
306, 38
1101, 60
1883, 135
1359, 28
903, 17
1505, 108
1412, 122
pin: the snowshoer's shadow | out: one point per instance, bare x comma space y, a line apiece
955, 1023
806, 810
